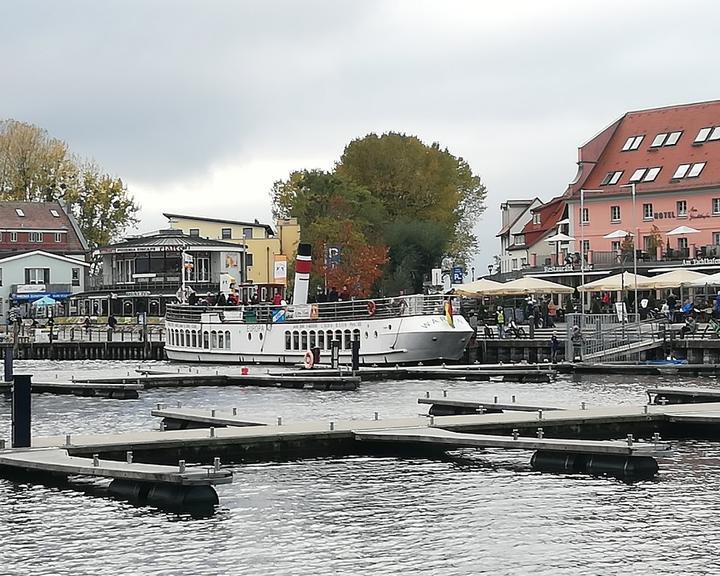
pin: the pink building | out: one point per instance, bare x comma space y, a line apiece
671, 157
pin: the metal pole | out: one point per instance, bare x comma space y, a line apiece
582, 249
635, 246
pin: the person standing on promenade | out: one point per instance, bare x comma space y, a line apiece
500, 317
554, 348
577, 340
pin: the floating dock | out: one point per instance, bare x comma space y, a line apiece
451, 407
682, 395
121, 391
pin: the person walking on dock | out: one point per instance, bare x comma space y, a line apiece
500, 317
577, 340
554, 348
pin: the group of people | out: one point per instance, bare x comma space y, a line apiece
333, 295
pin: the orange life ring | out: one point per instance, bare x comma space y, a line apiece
314, 312
371, 308
309, 360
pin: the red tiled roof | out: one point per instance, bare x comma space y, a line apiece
550, 214
688, 118
37, 216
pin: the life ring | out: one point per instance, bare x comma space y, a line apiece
309, 360
371, 308
314, 312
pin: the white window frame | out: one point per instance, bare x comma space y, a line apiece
58, 236
673, 138
614, 218
648, 214
615, 245
659, 140
681, 208
54, 213
13, 236
716, 238
632, 143
716, 206
19, 212
584, 216
536, 218
615, 178
715, 134
35, 237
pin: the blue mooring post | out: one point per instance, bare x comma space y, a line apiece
356, 354
8, 358
21, 411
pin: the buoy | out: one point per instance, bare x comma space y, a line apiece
371, 308
244, 371
309, 360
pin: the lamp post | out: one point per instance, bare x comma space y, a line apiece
472, 270
582, 242
490, 269
635, 249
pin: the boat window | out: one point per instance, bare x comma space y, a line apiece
348, 340
206, 340
171, 337
296, 340
194, 338
312, 342
329, 339
338, 336
221, 340
303, 340
187, 338
288, 340
182, 338
213, 339
356, 334
227, 339
321, 339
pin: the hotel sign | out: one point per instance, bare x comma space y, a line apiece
700, 261
566, 268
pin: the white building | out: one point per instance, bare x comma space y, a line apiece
515, 214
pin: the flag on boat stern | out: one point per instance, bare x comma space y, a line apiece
449, 313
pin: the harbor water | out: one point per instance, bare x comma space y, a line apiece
469, 512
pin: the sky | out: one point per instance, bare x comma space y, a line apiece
200, 105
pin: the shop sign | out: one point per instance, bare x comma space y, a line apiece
29, 288
700, 261
137, 293
566, 268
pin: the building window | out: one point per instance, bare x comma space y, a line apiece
682, 243
647, 212
35, 236
703, 134
666, 139
716, 238
37, 275
58, 236
632, 143
715, 134
536, 218
614, 213
54, 213
19, 212
247, 233
611, 179
248, 259
615, 245
681, 208
586, 246
585, 216
673, 138
637, 175
13, 236
76, 276
195, 232
716, 206
681, 171
0, 276
651, 174
515, 264
695, 170
226, 234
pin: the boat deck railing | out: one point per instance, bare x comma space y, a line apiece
416, 305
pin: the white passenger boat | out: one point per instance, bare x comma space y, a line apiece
400, 330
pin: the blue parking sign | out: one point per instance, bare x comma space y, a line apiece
457, 275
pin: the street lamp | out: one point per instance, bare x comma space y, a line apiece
635, 248
472, 270
490, 269
582, 243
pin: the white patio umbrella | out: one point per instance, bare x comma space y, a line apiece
475, 289
682, 230
706, 280
613, 283
559, 237
674, 279
529, 285
617, 234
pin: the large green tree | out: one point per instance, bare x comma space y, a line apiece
415, 181
35, 167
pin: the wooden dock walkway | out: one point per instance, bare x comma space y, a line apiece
122, 391
446, 406
683, 395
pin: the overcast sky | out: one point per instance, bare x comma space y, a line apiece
201, 105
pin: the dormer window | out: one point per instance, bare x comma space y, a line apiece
632, 143
54, 213
611, 179
536, 218
688, 170
20, 212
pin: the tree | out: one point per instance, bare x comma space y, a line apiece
415, 181
37, 168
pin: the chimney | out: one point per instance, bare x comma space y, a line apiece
303, 262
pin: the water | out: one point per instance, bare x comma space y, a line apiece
472, 512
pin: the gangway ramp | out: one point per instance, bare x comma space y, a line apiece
624, 349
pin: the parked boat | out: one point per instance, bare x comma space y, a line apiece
406, 329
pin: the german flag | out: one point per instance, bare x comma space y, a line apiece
449, 313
